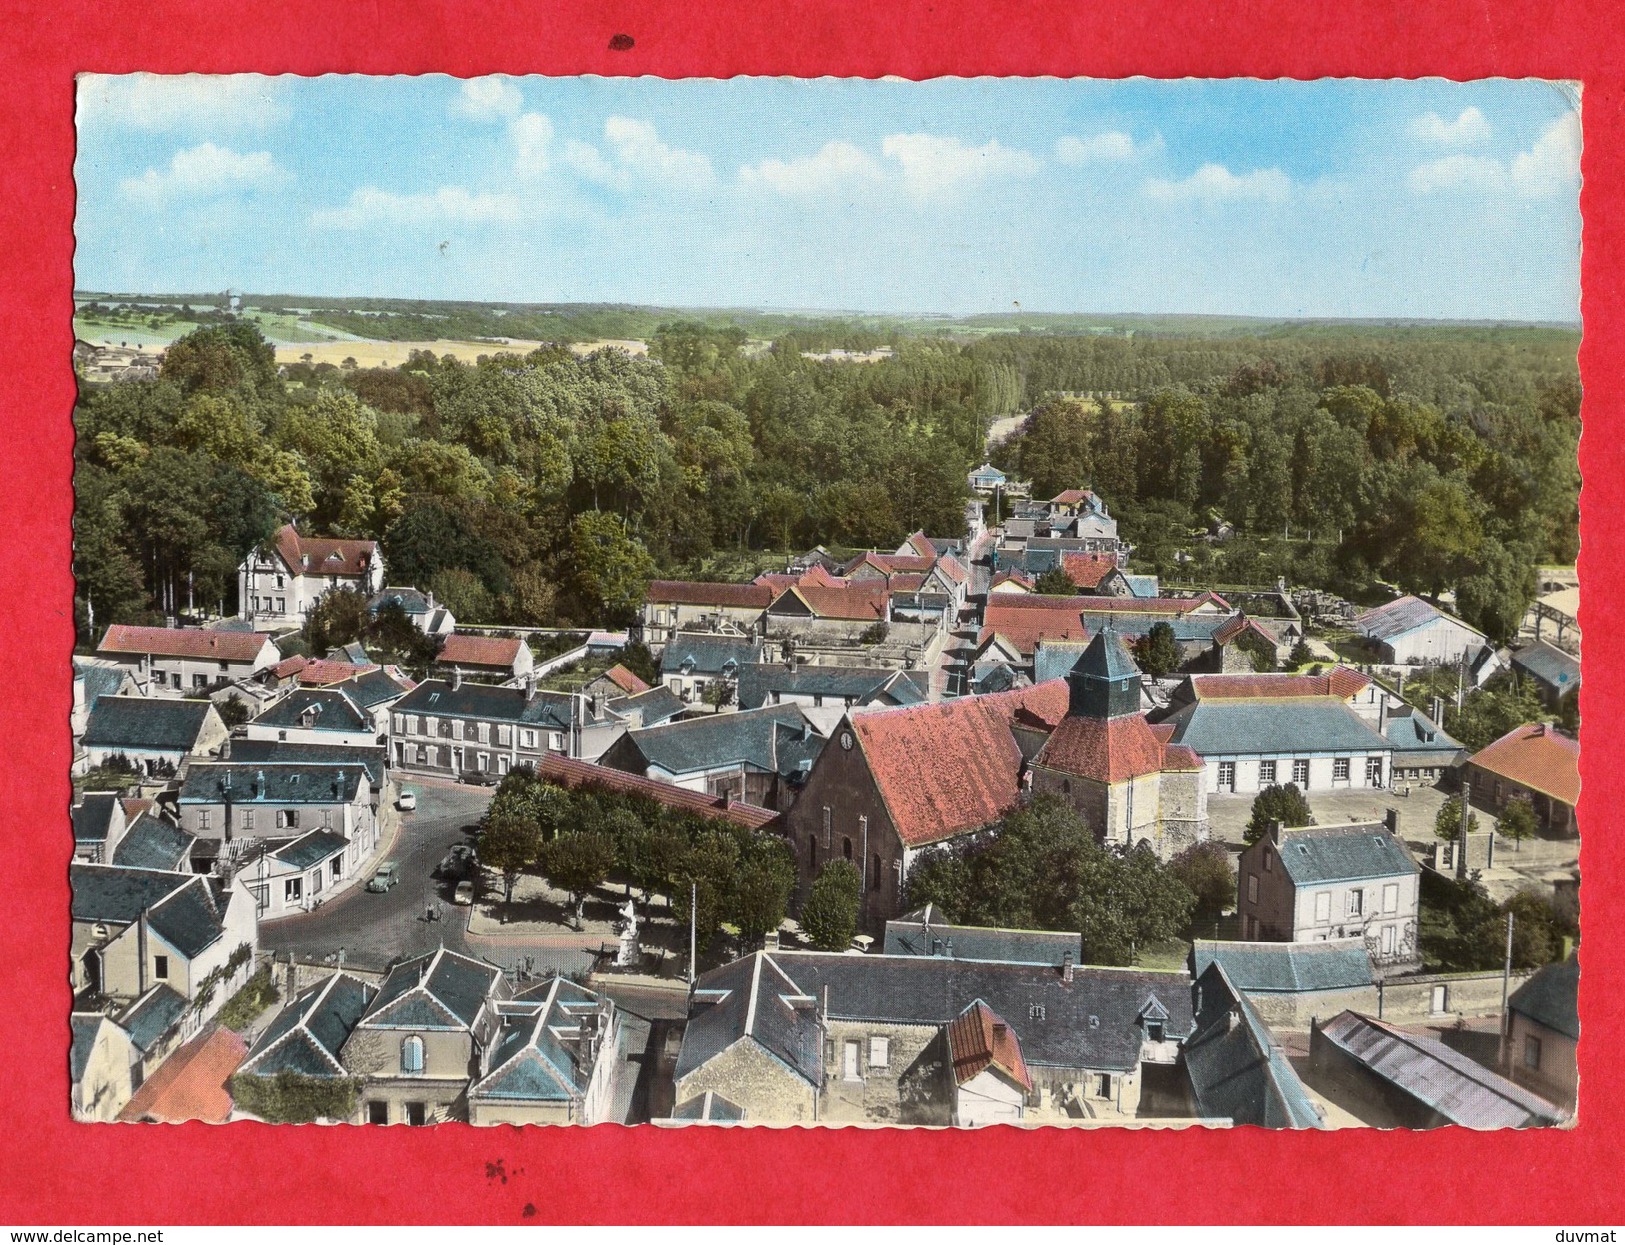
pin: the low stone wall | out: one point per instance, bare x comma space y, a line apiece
1402, 1000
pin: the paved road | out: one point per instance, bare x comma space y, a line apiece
374, 929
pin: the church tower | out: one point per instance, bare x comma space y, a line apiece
1105, 682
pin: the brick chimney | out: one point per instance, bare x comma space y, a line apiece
1067, 968
1391, 820
1276, 827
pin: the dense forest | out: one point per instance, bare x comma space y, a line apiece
548, 488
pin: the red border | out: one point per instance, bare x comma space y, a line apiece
53, 1172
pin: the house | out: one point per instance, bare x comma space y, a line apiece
1423, 752
1553, 671
302, 671
1012, 581
372, 759
1317, 883
1543, 1032
848, 614
810, 1037
1128, 783
650, 708
191, 1084
375, 692
171, 661
615, 683
460, 730
315, 716
100, 1059
149, 735
288, 875
757, 756
420, 608
1236, 1068
134, 929
1289, 983
892, 782
98, 826
707, 1108
156, 1025
1412, 632
693, 661
925, 932
583, 775
306, 1038
671, 606
1395, 1079
553, 1059
1536, 761
423, 1036
985, 479
833, 689
228, 800
278, 583
485, 656
154, 842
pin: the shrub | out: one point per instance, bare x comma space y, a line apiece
293, 1098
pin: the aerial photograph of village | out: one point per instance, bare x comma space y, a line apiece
763, 602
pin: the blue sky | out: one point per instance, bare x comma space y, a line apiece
1339, 198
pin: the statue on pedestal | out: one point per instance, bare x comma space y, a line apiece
628, 954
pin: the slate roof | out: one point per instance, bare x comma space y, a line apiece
490, 651
329, 710
1237, 1070
707, 1108
439, 990
925, 932
209, 782
485, 702
1388, 622
191, 642
1549, 664
84, 1027
569, 772
188, 918
191, 1083
93, 816
1552, 997
99, 680
1286, 967
180, 907
942, 769
862, 684
657, 705
1463, 1091
410, 600
729, 596
708, 655
1288, 726
753, 999
979, 1038
1536, 756
154, 843
262, 752
1142, 585
1090, 1023
1414, 735
322, 555
148, 724
535, 1058
307, 1035
311, 849
151, 1016
1313, 855
773, 740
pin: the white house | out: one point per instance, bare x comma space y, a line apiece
228, 800
171, 661
1411, 632
278, 584
309, 715
420, 608
152, 735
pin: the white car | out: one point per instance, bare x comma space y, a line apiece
408, 801
464, 894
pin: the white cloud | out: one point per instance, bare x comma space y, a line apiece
1551, 166
1213, 183
588, 161
147, 101
833, 165
369, 206
488, 99
932, 163
636, 153
202, 170
533, 138
1470, 127
1100, 148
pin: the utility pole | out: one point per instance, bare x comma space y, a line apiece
1461, 835
1506, 982
693, 930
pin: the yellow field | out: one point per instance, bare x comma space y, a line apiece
393, 354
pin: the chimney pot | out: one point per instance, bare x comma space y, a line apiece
1067, 967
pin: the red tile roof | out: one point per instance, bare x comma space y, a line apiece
691, 592
479, 650
1007, 615
1178, 607
946, 768
862, 601
1341, 683
980, 1038
1536, 756
183, 642
1071, 497
1103, 749
624, 679
191, 1083
921, 544
321, 555
1086, 570
1012, 576
567, 772
319, 672
953, 568
905, 583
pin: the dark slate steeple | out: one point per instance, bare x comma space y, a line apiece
1105, 682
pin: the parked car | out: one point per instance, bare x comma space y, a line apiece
407, 802
464, 894
460, 862
388, 874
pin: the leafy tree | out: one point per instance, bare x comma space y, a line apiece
1157, 652
233, 711
577, 863
1447, 824
1282, 803
762, 896
1055, 582
829, 917
338, 618
1257, 647
609, 570
463, 594
1206, 872
1128, 900
1517, 821
1568, 712
637, 658
710, 866
511, 842
1493, 710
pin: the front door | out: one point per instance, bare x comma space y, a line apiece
849, 1062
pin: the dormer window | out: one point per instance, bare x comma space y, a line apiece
1154, 1031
